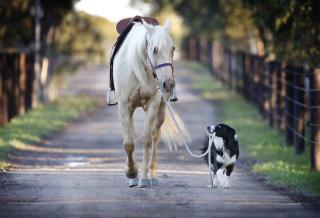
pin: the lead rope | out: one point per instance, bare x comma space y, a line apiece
153, 69
208, 151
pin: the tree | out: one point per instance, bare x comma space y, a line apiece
227, 21
84, 38
16, 24
17, 29
290, 29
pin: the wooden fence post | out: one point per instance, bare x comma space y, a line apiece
299, 107
209, 55
261, 85
246, 76
22, 83
185, 47
10, 85
314, 109
3, 91
203, 51
29, 80
280, 97
289, 106
272, 93
240, 71
228, 68
255, 81
251, 78
198, 49
192, 48
237, 71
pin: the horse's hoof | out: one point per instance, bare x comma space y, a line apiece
154, 182
133, 182
132, 173
144, 183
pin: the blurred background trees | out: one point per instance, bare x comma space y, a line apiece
284, 29
69, 39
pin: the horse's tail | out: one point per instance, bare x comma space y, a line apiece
173, 130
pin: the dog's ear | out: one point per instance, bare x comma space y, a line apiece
231, 135
232, 141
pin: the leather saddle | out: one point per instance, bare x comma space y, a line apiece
122, 24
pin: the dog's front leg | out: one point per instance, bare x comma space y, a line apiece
229, 170
215, 182
226, 182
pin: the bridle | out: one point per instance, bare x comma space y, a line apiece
158, 66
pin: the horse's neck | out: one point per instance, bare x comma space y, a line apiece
134, 51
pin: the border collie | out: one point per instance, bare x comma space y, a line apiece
224, 153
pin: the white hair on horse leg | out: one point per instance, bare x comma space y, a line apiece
174, 132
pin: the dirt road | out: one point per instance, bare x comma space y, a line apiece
79, 172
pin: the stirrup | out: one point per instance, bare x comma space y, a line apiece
173, 96
111, 98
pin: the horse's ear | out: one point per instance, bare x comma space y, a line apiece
148, 27
168, 25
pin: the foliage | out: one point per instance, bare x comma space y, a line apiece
10, 12
276, 161
87, 38
17, 20
41, 121
289, 28
211, 19
285, 28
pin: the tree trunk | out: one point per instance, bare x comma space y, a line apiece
3, 91
315, 119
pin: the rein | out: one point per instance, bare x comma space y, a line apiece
208, 151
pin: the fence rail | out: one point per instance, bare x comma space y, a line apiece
287, 96
16, 84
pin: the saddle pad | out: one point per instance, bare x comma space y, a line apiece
122, 24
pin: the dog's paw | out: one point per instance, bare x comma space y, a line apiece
226, 184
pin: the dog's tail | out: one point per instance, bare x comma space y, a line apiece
173, 130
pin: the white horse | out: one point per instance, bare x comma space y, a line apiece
143, 75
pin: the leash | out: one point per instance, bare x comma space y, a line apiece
208, 151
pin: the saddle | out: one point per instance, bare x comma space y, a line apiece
122, 24
123, 27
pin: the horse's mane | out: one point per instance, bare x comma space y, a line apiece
134, 46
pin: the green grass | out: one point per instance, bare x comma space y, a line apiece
40, 122
277, 162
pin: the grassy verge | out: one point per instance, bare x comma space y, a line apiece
276, 161
41, 121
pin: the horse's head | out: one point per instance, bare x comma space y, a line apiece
160, 48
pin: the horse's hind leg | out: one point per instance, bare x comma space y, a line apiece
155, 141
128, 139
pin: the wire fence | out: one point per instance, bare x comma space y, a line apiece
287, 96
16, 83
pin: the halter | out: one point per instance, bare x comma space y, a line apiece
158, 66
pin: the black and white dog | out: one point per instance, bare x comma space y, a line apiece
224, 153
